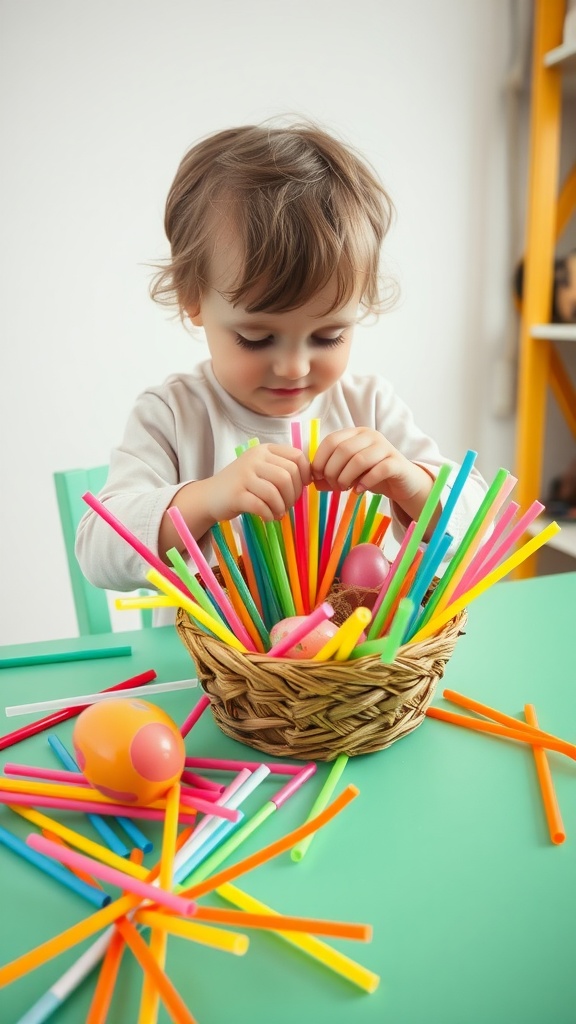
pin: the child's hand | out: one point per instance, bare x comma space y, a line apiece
363, 460
265, 480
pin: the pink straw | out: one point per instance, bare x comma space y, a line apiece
194, 715
521, 526
88, 806
290, 788
488, 545
301, 525
328, 532
320, 614
219, 764
51, 774
393, 568
198, 780
208, 807
133, 541
210, 581
113, 876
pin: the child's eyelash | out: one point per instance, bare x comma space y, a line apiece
255, 346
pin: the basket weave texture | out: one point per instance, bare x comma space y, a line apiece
315, 710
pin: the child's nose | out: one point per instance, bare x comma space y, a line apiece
292, 364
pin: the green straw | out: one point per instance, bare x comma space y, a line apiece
394, 638
299, 851
369, 520
284, 592
219, 855
241, 587
411, 549
462, 548
197, 591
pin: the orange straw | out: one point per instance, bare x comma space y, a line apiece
551, 808
104, 990
172, 999
274, 849
524, 734
291, 563
230, 539
496, 716
284, 923
381, 525
352, 501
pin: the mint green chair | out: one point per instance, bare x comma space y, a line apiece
90, 602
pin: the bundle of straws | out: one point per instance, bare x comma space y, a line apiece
350, 696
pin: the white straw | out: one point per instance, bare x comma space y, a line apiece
93, 698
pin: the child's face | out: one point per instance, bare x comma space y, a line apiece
274, 363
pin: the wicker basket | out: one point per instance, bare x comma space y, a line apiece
314, 710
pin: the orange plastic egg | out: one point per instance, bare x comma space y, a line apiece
128, 749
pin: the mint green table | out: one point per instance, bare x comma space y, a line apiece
445, 852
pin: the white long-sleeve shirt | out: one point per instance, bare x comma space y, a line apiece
188, 429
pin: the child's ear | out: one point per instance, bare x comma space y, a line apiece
195, 315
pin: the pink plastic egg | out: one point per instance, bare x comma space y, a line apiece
309, 645
366, 566
129, 749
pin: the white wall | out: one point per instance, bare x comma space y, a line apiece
99, 100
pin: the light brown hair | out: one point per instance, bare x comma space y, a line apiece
306, 209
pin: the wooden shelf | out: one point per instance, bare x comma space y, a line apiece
565, 541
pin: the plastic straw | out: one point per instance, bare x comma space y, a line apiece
500, 487
244, 600
313, 517
281, 572
148, 1013
188, 578
315, 948
446, 514
194, 715
280, 846
320, 614
350, 632
83, 699
121, 878
299, 851
352, 502
551, 808
326, 547
105, 985
496, 716
497, 574
133, 541
198, 613
221, 764
411, 548
207, 575
523, 735
172, 1000
522, 525
217, 938
95, 896
489, 545
126, 604
422, 580
301, 527
11, 738
36, 799
58, 657
397, 629
250, 572
289, 923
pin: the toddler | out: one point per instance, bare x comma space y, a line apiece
275, 235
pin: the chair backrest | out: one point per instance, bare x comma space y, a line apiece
90, 602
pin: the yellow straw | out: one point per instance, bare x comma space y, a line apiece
350, 631
150, 999
125, 604
313, 518
198, 613
497, 574
101, 853
205, 934
315, 948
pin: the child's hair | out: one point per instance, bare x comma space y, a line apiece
306, 209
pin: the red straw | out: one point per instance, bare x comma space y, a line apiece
64, 713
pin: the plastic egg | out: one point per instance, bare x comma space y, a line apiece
128, 749
366, 566
309, 645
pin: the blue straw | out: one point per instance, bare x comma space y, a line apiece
444, 518
100, 824
212, 841
94, 895
422, 581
